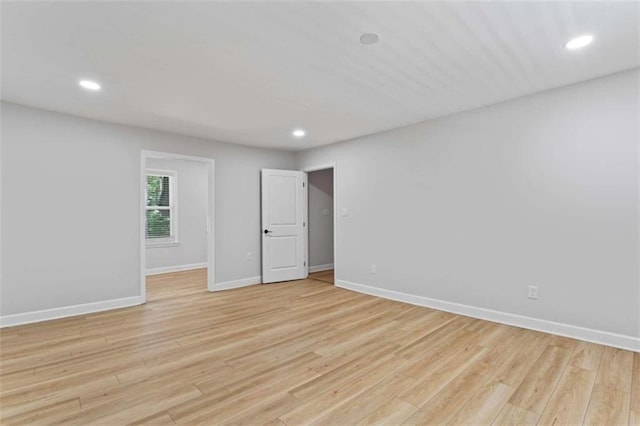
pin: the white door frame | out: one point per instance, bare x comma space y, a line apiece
144, 154
316, 168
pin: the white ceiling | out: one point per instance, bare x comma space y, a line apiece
249, 73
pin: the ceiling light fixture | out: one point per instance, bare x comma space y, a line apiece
369, 38
578, 42
90, 85
298, 133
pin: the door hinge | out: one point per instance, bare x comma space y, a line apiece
305, 264
304, 224
303, 184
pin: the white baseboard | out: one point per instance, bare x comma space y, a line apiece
177, 268
244, 282
320, 268
68, 311
590, 335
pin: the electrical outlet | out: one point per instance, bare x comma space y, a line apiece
374, 269
532, 292
249, 256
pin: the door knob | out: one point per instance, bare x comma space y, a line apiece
266, 231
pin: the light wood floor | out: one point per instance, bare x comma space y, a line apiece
299, 353
324, 276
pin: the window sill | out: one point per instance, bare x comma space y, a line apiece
162, 244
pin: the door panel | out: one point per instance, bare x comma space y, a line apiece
282, 190
284, 252
283, 225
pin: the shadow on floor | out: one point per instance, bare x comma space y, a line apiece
324, 276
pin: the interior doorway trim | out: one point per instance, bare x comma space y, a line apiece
144, 155
316, 168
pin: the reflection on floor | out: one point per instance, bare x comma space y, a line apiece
177, 284
324, 276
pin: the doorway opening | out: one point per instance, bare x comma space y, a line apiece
176, 221
321, 229
285, 232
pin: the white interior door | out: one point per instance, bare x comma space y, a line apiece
284, 245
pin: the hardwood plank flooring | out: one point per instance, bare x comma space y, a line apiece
325, 276
303, 352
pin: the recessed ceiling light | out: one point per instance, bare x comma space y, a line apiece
298, 133
369, 38
89, 85
578, 42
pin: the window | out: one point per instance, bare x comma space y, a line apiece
161, 223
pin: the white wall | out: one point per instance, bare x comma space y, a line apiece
192, 202
473, 208
70, 207
320, 217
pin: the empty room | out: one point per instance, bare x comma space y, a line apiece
327, 213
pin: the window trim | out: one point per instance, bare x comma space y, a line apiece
172, 240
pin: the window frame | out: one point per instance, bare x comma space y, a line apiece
172, 240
